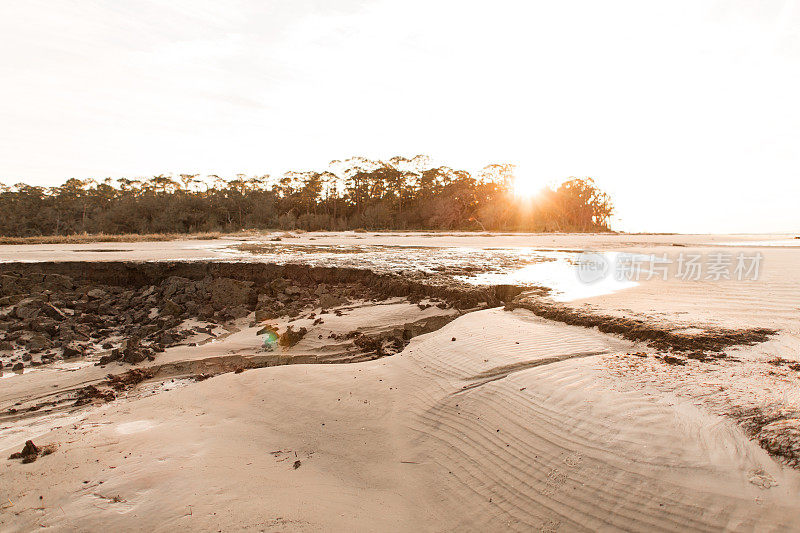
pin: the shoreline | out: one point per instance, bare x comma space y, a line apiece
455, 404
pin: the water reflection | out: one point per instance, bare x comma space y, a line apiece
561, 275
555, 269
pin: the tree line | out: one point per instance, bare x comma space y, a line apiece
398, 193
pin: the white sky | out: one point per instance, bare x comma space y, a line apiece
685, 111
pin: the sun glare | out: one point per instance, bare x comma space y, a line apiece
526, 187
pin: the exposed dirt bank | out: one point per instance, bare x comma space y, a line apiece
131, 311
137, 274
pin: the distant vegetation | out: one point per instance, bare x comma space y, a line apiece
398, 193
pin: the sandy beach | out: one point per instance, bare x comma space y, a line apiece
403, 266
464, 408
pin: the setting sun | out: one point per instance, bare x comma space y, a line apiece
526, 186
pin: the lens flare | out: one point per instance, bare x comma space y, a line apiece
525, 186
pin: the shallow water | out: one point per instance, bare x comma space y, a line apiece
561, 275
553, 269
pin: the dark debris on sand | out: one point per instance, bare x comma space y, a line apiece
30, 452
128, 312
661, 337
107, 390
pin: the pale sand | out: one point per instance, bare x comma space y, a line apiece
216, 249
589, 437
240, 347
465, 434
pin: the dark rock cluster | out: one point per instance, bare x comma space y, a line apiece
46, 317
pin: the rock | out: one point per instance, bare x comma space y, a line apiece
6, 346
29, 453
96, 294
133, 357
72, 349
191, 308
277, 285
226, 292
44, 324
291, 337
11, 300
239, 311
126, 380
105, 359
174, 284
132, 352
11, 285
57, 282
171, 308
327, 301
18, 367
26, 357
27, 308
292, 290
167, 339
91, 392
673, 360
264, 314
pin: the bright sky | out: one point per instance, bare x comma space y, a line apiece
686, 112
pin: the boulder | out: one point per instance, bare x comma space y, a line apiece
174, 284
264, 314
327, 301
72, 349
132, 351
27, 308
57, 282
96, 294
239, 311
44, 325
11, 285
291, 337
133, 357
37, 343
172, 308
226, 292
11, 300
28, 454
